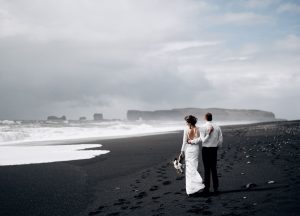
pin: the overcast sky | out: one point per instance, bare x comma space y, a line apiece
78, 57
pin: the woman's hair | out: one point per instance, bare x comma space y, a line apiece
191, 119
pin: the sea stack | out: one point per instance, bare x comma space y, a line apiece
98, 117
83, 118
55, 118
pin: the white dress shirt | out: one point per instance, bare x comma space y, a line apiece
215, 138
185, 138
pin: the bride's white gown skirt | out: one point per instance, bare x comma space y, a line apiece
193, 180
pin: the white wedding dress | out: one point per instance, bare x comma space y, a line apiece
193, 179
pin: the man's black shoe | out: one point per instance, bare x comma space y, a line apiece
204, 193
216, 193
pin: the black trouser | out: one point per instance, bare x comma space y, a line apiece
209, 157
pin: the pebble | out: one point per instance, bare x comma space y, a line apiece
248, 162
250, 185
271, 182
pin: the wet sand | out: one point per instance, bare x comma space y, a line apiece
258, 167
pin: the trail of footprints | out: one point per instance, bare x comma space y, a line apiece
141, 194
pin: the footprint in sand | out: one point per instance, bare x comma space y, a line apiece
162, 176
141, 195
98, 211
180, 178
153, 188
101, 207
207, 213
121, 202
208, 200
160, 172
134, 207
95, 212
113, 214
145, 175
166, 183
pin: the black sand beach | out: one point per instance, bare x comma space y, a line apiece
137, 178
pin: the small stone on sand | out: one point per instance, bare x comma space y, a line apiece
250, 185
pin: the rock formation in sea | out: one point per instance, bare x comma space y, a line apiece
219, 114
98, 117
55, 118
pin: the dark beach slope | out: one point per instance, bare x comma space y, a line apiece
136, 178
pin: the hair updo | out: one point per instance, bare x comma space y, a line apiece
191, 120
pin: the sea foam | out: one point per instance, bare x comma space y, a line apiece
42, 141
27, 154
23, 132
46, 131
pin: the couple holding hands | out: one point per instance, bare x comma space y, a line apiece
211, 137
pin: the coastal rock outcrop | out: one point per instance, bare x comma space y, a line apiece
98, 117
55, 118
218, 114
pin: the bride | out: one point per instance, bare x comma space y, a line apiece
190, 151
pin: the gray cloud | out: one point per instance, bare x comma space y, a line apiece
78, 58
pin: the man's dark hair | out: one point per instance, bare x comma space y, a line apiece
208, 116
191, 119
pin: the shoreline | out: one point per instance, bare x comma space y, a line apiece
92, 139
136, 177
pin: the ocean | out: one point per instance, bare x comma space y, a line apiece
26, 142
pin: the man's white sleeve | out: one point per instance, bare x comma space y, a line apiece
220, 138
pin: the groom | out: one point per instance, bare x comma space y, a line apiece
209, 152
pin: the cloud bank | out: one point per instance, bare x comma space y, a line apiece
80, 57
